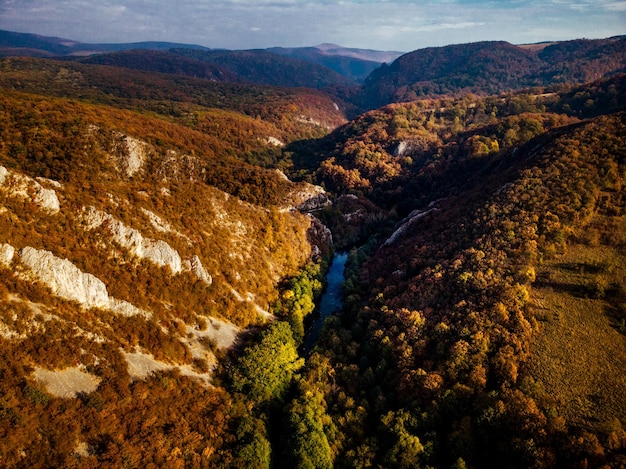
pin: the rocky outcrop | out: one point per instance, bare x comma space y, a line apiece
320, 238
194, 265
18, 185
156, 251
308, 198
6, 254
134, 155
70, 283
274, 141
407, 223
67, 383
65, 279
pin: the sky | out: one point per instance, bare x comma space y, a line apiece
399, 25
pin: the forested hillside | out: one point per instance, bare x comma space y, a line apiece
135, 249
164, 241
484, 329
492, 67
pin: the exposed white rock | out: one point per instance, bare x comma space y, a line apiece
157, 222
156, 251
141, 365
162, 225
160, 253
221, 333
52, 182
281, 175
135, 153
308, 197
68, 382
407, 223
69, 282
3, 174
46, 198
65, 279
125, 308
274, 141
24, 187
6, 254
402, 149
194, 264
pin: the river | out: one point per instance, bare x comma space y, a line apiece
331, 300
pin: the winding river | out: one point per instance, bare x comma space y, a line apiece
331, 299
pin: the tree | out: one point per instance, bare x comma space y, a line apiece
265, 370
406, 447
306, 438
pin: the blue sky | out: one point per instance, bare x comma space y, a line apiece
402, 25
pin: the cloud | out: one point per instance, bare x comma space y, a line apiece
377, 24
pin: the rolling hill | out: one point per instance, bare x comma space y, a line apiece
492, 67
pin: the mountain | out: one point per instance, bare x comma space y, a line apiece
162, 62
260, 66
284, 114
351, 64
135, 251
26, 44
492, 67
356, 64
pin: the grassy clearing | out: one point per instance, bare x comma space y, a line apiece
579, 355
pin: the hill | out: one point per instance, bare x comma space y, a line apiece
492, 67
26, 44
356, 64
260, 66
280, 113
484, 327
134, 251
162, 62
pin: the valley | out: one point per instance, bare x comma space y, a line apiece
171, 219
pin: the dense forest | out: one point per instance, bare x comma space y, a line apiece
164, 240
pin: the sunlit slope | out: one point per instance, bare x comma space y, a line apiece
112, 223
291, 113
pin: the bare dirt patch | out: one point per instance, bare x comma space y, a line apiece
67, 383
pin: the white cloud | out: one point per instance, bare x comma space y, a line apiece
378, 24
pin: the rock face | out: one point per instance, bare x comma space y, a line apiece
70, 283
65, 279
67, 383
24, 187
407, 223
156, 251
134, 155
6, 254
196, 268
320, 238
309, 198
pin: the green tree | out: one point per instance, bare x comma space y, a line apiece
306, 438
265, 370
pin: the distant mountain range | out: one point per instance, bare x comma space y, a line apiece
355, 64
357, 79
